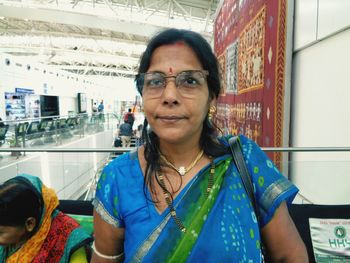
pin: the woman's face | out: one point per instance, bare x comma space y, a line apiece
174, 116
11, 235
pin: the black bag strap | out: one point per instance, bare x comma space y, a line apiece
238, 159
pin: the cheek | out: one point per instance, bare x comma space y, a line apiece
148, 109
7, 239
201, 108
11, 237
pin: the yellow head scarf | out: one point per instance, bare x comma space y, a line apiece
31, 248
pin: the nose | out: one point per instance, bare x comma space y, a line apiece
170, 92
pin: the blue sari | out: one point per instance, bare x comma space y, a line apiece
220, 228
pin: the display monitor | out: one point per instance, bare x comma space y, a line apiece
82, 104
49, 106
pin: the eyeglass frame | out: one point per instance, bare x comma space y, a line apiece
140, 88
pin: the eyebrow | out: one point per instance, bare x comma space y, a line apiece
156, 71
161, 72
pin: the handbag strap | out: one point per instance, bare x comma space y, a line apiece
238, 159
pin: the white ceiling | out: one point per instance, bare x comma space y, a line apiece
95, 37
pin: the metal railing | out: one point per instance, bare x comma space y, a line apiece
121, 149
115, 151
33, 132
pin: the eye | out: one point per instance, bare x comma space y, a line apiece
188, 80
154, 81
191, 80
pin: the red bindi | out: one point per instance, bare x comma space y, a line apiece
170, 70
179, 43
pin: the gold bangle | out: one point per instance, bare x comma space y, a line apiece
104, 256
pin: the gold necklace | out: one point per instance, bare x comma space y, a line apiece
182, 170
170, 203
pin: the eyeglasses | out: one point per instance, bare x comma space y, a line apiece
187, 82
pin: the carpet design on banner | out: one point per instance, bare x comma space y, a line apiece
222, 68
232, 68
250, 43
251, 55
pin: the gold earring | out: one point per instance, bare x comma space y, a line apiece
211, 112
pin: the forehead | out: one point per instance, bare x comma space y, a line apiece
177, 57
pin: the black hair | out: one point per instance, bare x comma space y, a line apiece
19, 201
206, 57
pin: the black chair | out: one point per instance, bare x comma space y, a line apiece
301, 213
20, 133
77, 207
3, 131
33, 130
49, 128
21, 128
43, 125
64, 129
72, 122
62, 123
35, 133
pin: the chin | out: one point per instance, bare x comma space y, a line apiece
171, 137
176, 138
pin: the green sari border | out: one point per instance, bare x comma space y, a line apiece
197, 217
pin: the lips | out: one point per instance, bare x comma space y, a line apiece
170, 118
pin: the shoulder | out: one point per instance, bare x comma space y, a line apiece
120, 174
224, 140
122, 162
122, 171
250, 149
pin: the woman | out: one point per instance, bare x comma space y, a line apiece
33, 230
178, 198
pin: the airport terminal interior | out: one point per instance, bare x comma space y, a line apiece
67, 83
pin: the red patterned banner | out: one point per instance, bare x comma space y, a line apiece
250, 43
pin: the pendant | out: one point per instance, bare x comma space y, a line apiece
182, 170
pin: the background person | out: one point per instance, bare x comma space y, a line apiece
94, 107
33, 230
101, 107
125, 134
117, 142
179, 197
129, 117
1, 123
100, 110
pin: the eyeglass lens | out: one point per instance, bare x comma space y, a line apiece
187, 82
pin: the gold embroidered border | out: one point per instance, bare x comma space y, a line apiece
104, 214
279, 80
273, 191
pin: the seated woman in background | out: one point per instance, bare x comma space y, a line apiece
33, 230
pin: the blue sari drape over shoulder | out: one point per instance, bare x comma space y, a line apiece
227, 228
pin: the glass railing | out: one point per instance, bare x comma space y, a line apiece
321, 173
54, 130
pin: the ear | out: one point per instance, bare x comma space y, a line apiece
30, 224
212, 102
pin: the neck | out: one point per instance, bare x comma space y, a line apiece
180, 154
